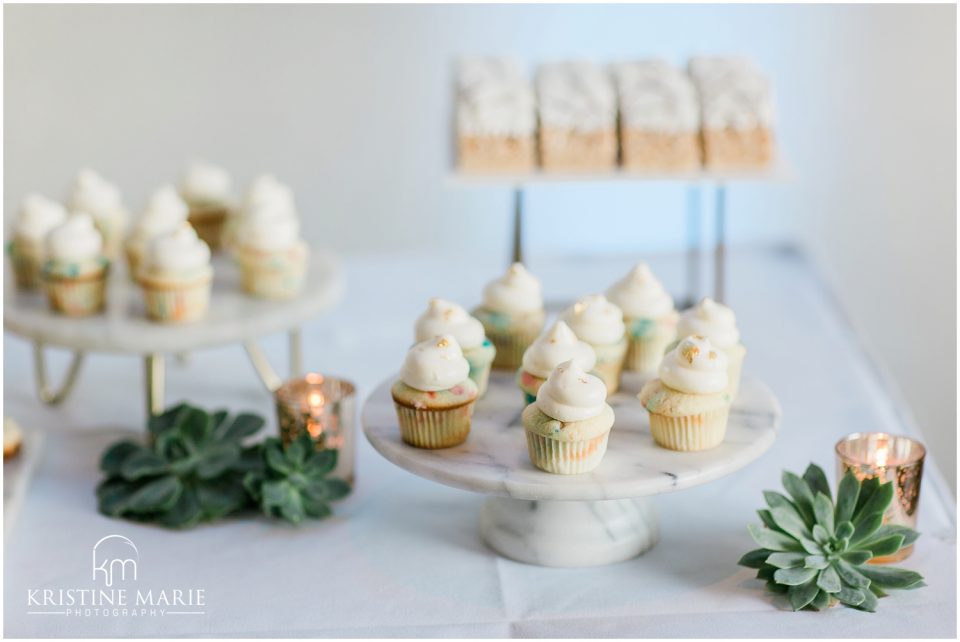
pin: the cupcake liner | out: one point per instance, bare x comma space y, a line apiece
77, 297
177, 303
644, 354
690, 432
273, 275
27, 267
566, 457
209, 224
425, 428
510, 347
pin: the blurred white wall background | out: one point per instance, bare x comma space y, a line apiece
350, 105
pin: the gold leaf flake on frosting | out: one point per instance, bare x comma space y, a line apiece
712, 355
442, 343
689, 352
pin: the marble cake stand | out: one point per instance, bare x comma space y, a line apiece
600, 517
123, 327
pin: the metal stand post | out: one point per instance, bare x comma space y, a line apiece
268, 376
44, 392
720, 249
155, 376
693, 245
517, 225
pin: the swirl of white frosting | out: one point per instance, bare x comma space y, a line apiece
640, 295
94, 194
576, 94
695, 366
445, 317
655, 95
165, 212
38, 215
267, 191
494, 98
435, 364
515, 292
178, 251
76, 239
269, 229
553, 347
205, 183
570, 394
733, 92
712, 320
595, 320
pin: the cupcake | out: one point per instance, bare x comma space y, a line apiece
649, 316
176, 276
512, 314
75, 271
264, 191
568, 425
434, 396
443, 317
556, 345
718, 323
689, 403
165, 213
38, 215
206, 189
600, 323
101, 199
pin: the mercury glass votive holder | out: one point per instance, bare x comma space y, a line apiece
325, 408
891, 458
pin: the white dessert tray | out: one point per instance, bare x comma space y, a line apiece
594, 518
123, 327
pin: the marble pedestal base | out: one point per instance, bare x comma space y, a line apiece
569, 533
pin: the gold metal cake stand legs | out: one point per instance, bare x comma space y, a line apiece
44, 392
271, 380
155, 371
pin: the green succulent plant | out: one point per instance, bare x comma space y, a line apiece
196, 468
816, 552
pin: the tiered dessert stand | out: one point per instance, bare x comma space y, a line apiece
600, 517
234, 317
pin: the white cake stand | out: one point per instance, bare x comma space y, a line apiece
595, 518
123, 327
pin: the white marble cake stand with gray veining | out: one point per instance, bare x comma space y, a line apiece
123, 327
595, 518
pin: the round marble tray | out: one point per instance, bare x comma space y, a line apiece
494, 458
599, 517
124, 327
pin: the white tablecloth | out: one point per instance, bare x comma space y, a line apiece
402, 556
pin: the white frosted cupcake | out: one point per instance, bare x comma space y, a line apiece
512, 314
165, 213
264, 191
207, 191
649, 315
37, 216
176, 276
554, 346
75, 272
444, 317
434, 396
689, 404
718, 323
568, 426
101, 199
600, 323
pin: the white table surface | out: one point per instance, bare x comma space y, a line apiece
402, 556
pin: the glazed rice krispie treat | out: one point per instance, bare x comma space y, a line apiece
737, 109
659, 117
578, 117
496, 116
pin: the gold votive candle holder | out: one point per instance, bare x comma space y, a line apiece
891, 458
325, 408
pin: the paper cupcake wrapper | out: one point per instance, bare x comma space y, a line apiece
609, 372
566, 457
272, 276
77, 297
27, 269
645, 354
209, 224
691, 432
177, 304
510, 347
424, 428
